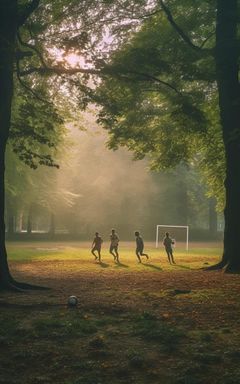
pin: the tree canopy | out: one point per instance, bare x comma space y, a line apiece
174, 59
161, 100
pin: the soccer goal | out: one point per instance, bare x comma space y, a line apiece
180, 233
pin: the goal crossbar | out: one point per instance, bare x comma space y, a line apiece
173, 226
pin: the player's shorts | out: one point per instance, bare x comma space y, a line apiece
139, 250
98, 248
113, 248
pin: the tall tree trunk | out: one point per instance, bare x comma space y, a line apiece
11, 226
5, 276
29, 220
19, 221
229, 101
9, 20
8, 28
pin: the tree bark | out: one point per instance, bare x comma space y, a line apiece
9, 21
8, 29
19, 221
229, 102
29, 221
11, 226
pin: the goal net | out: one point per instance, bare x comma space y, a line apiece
179, 233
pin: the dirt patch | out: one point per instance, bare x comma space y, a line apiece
130, 326
213, 295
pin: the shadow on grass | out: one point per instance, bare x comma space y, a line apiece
121, 265
103, 265
182, 266
152, 266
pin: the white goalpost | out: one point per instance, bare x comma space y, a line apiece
186, 227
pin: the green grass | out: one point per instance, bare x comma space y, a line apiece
59, 347
193, 259
129, 326
68, 327
156, 330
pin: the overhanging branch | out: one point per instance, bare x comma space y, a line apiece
58, 71
208, 38
33, 48
180, 31
27, 11
148, 77
29, 89
101, 73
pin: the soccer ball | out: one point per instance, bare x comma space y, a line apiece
72, 301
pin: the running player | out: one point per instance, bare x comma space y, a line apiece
96, 246
167, 242
140, 247
114, 240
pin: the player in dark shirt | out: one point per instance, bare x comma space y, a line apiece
140, 247
96, 246
114, 240
167, 242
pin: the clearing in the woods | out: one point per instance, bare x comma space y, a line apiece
134, 323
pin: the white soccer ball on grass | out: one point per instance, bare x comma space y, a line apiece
72, 301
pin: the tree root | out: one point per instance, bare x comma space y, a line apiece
27, 287
216, 267
232, 269
9, 287
228, 267
15, 286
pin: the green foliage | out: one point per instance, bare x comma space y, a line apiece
160, 100
54, 30
211, 159
154, 98
36, 129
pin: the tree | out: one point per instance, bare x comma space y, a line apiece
30, 53
174, 110
41, 22
9, 21
226, 56
163, 88
35, 127
227, 70
13, 15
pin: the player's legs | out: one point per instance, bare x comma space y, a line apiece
143, 254
171, 254
99, 254
138, 256
168, 255
111, 251
117, 254
94, 249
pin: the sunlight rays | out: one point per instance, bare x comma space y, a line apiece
69, 60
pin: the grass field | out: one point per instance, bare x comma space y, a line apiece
135, 323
